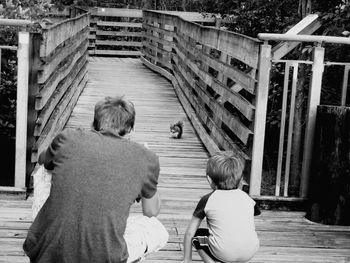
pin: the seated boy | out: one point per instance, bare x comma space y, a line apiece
229, 211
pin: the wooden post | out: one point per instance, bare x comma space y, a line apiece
314, 101
345, 85
290, 128
218, 21
282, 129
260, 119
33, 91
22, 108
0, 63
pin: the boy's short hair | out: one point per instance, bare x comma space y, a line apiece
225, 170
114, 113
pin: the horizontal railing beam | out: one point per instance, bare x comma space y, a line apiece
8, 47
15, 22
303, 38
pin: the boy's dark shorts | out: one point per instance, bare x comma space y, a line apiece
201, 242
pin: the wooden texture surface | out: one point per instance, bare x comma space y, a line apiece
284, 236
57, 34
62, 75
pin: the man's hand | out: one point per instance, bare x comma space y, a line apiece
151, 206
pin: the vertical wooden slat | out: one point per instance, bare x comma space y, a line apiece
283, 125
262, 94
22, 108
218, 21
33, 91
345, 85
96, 35
0, 62
290, 128
314, 101
221, 77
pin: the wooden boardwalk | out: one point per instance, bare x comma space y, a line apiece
284, 236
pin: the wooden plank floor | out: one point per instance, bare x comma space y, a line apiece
284, 236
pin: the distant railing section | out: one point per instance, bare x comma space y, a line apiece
214, 73
116, 32
60, 76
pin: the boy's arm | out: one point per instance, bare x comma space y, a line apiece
256, 210
150, 199
190, 231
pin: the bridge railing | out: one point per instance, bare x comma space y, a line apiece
223, 80
118, 31
52, 72
60, 76
215, 74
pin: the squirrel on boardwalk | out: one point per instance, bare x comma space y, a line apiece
176, 130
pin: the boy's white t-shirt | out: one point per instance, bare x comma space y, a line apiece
230, 219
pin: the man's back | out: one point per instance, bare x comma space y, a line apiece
96, 178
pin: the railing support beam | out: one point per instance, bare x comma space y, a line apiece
345, 85
314, 101
260, 119
22, 109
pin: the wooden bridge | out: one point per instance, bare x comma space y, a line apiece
215, 81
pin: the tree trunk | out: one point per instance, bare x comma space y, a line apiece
183, 5
294, 179
304, 8
298, 131
299, 119
330, 181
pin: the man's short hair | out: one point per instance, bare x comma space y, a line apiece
114, 113
225, 170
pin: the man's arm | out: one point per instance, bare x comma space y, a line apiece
47, 156
41, 158
151, 206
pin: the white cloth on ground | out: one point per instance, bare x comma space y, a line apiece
144, 235
42, 185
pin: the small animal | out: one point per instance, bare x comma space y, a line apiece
176, 129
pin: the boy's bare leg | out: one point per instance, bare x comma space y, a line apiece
205, 257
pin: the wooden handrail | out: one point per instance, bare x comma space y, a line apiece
15, 22
8, 47
303, 38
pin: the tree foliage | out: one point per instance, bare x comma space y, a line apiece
24, 9
13, 9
